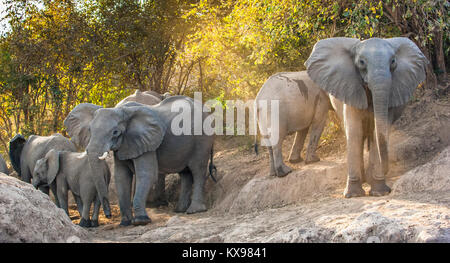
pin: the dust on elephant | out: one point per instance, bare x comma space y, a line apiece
25, 153
143, 144
368, 82
71, 171
302, 104
3, 167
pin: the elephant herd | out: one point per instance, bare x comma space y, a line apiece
367, 83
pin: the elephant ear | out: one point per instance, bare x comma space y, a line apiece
52, 159
410, 70
77, 123
144, 132
15, 150
331, 66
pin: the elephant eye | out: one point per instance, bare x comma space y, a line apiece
116, 133
393, 64
362, 63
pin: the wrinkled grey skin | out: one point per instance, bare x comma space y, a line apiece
155, 198
369, 82
25, 153
3, 167
301, 105
144, 144
158, 197
71, 171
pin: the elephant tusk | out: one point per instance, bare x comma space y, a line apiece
103, 157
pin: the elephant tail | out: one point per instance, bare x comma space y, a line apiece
256, 145
15, 150
212, 167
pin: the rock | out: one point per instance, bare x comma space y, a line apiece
372, 226
28, 215
430, 177
434, 236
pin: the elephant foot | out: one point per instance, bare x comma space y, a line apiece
283, 170
181, 208
125, 223
85, 222
141, 220
107, 214
312, 159
379, 188
94, 223
354, 189
295, 160
196, 208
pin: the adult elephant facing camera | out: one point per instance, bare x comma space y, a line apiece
369, 82
144, 144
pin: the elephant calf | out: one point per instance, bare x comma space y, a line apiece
302, 105
72, 172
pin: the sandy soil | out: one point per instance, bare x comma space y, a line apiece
307, 205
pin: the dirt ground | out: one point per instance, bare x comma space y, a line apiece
247, 205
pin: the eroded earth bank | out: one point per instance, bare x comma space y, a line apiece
247, 205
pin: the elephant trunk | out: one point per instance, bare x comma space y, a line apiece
380, 95
99, 179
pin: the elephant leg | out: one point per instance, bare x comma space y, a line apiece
374, 175
317, 126
146, 170
157, 197
271, 161
55, 195
87, 201
295, 155
63, 198
186, 190
123, 179
79, 204
280, 168
95, 214
198, 196
354, 135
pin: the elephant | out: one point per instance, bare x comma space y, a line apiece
71, 171
156, 198
368, 82
3, 166
146, 97
302, 104
25, 153
144, 144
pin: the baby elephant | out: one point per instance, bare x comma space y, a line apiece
303, 106
72, 172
